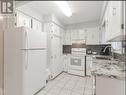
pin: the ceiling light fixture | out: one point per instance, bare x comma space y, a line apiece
64, 7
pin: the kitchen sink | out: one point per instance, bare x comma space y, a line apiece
103, 58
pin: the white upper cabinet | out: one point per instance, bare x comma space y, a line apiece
67, 38
93, 36
116, 21
102, 36
27, 21
107, 23
90, 36
75, 36
55, 29
78, 35
36, 25
113, 18
23, 20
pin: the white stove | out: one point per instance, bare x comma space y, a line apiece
77, 62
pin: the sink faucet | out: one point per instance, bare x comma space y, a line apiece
112, 56
106, 48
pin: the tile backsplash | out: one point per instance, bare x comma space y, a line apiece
97, 48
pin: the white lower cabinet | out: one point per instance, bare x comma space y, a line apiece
88, 65
109, 86
66, 61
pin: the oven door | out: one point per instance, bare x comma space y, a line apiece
77, 63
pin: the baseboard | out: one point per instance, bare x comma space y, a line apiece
57, 75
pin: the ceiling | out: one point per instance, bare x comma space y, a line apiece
83, 11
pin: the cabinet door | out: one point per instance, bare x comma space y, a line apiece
56, 56
106, 24
55, 29
108, 21
88, 37
116, 19
92, 36
68, 38
19, 19
88, 65
82, 34
36, 25
96, 36
23, 20
102, 36
113, 18
78, 36
66, 62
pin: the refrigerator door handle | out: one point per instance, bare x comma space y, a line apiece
26, 35
26, 39
26, 59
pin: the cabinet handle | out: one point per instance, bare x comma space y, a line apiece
114, 12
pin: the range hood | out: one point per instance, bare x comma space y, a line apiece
78, 45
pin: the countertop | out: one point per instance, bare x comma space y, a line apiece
108, 68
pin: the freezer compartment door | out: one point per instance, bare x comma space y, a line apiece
34, 71
29, 39
36, 39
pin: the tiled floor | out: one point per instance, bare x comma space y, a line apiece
66, 84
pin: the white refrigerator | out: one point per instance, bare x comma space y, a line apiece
24, 61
